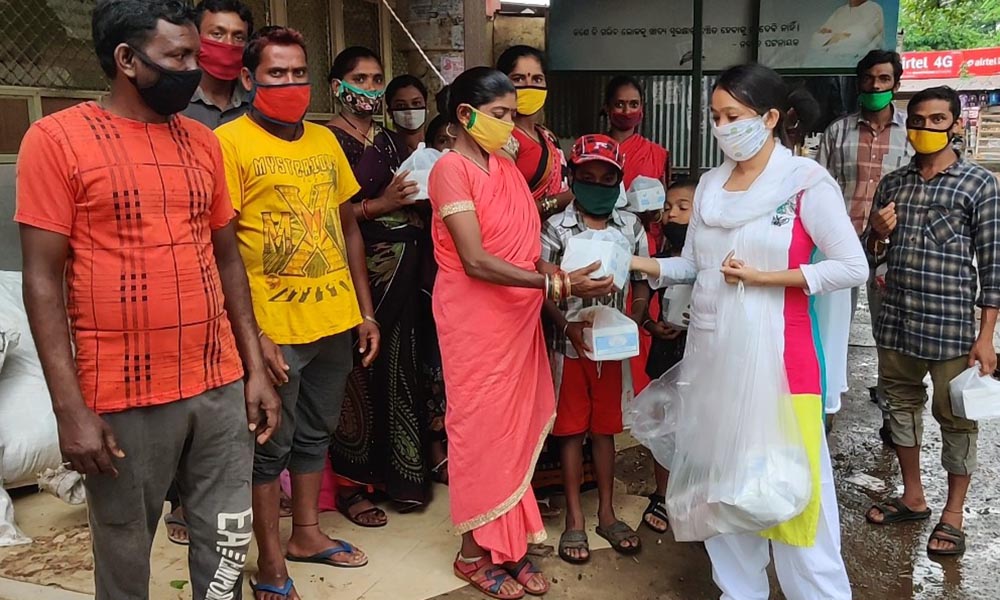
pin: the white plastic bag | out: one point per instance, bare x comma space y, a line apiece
653, 415
28, 436
8, 341
975, 396
608, 246
646, 194
740, 464
419, 164
613, 336
10, 534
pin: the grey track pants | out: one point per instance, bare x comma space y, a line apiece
203, 443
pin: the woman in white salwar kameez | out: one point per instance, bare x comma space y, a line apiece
784, 211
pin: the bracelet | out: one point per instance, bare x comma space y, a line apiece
260, 333
557, 290
567, 284
364, 210
373, 321
565, 328
548, 286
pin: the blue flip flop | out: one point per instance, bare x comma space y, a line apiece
283, 591
324, 557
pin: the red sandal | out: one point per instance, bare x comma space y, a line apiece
491, 577
522, 571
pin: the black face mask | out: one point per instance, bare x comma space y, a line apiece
172, 91
675, 234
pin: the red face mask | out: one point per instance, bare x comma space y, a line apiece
222, 61
626, 121
284, 104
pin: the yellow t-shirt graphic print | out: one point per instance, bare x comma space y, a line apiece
288, 196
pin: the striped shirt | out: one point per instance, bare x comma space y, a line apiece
945, 228
557, 231
138, 203
857, 156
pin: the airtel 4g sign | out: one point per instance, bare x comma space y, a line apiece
951, 64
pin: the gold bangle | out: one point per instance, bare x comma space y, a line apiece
372, 321
568, 284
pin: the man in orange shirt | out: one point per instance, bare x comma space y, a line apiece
126, 204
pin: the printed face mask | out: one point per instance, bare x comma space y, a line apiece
928, 141
489, 132
172, 91
530, 100
283, 104
875, 101
626, 121
742, 140
364, 103
410, 119
222, 61
596, 199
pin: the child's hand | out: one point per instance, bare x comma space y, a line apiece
574, 332
663, 331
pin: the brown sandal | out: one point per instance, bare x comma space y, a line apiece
490, 580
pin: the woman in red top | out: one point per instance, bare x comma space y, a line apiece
535, 150
623, 104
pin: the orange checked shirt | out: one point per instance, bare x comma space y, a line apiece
138, 202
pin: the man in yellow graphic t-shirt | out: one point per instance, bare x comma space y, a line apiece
291, 186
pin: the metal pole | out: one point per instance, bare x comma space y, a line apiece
696, 89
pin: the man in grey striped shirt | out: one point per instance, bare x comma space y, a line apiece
860, 149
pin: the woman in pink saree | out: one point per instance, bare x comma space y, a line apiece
487, 305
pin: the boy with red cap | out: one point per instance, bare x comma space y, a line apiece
590, 394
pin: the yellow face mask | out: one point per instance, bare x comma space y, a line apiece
489, 132
530, 100
928, 141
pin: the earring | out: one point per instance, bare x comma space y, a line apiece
447, 132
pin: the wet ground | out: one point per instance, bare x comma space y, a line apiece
884, 563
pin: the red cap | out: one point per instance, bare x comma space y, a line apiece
596, 146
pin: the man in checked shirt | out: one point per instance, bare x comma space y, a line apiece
931, 220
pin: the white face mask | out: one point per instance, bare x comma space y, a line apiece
411, 120
742, 140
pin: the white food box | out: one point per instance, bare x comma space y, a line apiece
646, 194
975, 397
678, 299
607, 246
613, 335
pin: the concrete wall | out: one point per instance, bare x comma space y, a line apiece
510, 30
10, 247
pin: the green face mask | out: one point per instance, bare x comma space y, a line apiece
595, 199
875, 101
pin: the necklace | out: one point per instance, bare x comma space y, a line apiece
472, 160
368, 141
